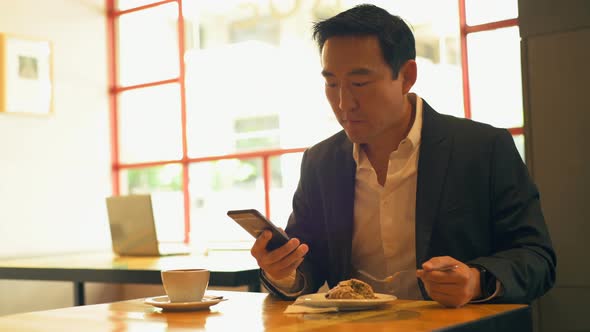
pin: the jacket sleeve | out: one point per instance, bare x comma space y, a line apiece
301, 225
523, 260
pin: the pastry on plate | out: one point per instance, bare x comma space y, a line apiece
351, 289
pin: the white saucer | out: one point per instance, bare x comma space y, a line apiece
164, 303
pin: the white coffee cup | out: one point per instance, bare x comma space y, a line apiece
185, 285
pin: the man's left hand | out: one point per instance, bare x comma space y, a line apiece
451, 288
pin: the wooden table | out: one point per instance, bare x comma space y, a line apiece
245, 311
228, 269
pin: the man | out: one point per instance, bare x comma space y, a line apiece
405, 188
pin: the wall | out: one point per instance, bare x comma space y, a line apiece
54, 170
556, 70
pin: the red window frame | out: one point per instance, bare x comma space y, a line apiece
464, 31
115, 89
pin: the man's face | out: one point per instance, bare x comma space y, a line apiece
367, 101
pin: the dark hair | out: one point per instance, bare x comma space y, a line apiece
395, 37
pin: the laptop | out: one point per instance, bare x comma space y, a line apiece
133, 228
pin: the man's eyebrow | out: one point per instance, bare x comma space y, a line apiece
360, 71
326, 73
354, 72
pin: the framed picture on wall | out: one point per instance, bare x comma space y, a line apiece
25, 75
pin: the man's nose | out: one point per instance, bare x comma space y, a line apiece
347, 99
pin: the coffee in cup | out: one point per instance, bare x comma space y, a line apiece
185, 285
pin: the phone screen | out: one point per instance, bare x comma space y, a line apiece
255, 223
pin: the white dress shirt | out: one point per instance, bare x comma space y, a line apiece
384, 237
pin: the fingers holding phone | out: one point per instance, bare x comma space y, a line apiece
275, 253
282, 261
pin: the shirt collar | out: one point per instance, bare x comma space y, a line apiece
415, 133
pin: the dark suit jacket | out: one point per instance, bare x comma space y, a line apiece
475, 202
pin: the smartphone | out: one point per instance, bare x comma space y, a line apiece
255, 223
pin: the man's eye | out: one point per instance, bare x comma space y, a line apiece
330, 85
359, 83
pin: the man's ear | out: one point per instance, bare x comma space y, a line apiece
408, 73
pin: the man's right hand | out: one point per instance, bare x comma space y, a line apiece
281, 262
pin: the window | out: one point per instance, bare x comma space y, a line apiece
490, 45
213, 102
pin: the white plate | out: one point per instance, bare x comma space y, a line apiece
164, 303
320, 300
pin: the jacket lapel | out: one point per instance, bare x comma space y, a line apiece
432, 167
343, 177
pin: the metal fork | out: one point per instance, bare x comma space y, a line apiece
392, 277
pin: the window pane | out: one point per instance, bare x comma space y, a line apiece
495, 77
479, 12
519, 142
285, 172
253, 62
438, 57
127, 4
259, 92
148, 45
215, 188
164, 183
150, 124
